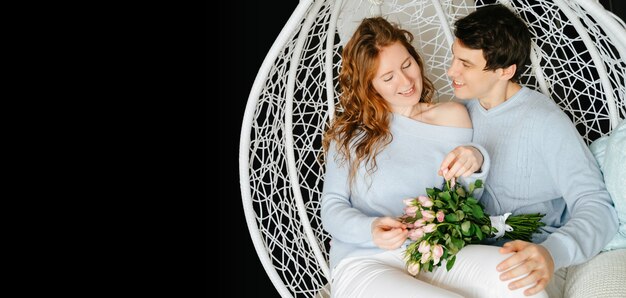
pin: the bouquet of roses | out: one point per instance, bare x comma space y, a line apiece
446, 220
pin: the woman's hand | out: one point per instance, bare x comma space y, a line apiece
388, 233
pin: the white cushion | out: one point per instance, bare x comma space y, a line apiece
610, 152
602, 276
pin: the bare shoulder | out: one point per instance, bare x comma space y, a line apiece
452, 114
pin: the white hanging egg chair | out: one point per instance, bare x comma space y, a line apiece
578, 59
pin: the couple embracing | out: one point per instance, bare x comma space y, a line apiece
391, 141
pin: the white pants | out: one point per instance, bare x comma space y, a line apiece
474, 274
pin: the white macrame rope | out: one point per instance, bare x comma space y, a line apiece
375, 9
499, 222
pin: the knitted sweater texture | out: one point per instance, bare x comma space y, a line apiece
406, 167
540, 163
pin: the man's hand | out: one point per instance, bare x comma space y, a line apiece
529, 258
388, 233
462, 161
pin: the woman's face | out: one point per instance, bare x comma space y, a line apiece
398, 78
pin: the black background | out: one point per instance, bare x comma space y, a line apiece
243, 41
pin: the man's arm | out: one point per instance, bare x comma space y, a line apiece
593, 219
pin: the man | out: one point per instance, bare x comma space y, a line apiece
539, 162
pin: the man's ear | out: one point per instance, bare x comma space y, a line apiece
508, 72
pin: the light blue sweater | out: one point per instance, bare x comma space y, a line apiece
539, 163
406, 167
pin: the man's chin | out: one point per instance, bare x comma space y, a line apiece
460, 95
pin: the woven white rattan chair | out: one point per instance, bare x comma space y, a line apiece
578, 60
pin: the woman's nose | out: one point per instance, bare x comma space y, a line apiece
404, 79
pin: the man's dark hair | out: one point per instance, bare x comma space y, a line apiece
500, 33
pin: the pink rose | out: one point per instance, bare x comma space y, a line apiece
416, 234
424, 247
414, 268
408, 202
437, 250
429, 228
437, 253
425, 257
419, 223
410, 210
425, 201
428, 216
440, 216
436, 261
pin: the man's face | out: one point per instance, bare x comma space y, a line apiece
469, 80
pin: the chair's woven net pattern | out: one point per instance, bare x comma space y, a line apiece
569, 72
271, 188
281, 173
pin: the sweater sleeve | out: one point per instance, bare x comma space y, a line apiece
339, 217
484, 169
593, 219
482, 175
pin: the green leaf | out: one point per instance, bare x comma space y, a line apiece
477, 184
461, 192
451, 218
479, 233
452, 206
465, 228
450, 263
460, 214
453, 249
444, 195
478, 211
455, 232
430, 191
458, 243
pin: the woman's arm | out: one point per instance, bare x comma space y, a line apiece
339, 217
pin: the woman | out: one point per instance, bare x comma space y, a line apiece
386, 145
